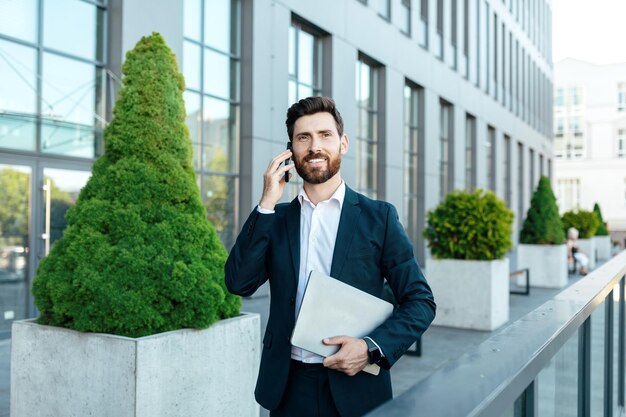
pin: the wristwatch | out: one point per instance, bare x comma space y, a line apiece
373, 351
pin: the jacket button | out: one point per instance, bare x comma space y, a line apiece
292, 301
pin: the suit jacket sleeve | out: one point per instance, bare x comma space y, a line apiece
246, 266
415, 304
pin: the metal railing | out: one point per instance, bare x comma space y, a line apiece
565, 358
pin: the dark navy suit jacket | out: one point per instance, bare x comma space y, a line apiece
371, 247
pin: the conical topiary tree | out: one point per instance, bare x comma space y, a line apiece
138, 256
601, 230
543, 225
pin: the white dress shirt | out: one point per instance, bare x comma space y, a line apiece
318, 233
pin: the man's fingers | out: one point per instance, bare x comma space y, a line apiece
278, 159
337, 340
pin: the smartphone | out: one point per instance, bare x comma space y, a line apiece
288, 161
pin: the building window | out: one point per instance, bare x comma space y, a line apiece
621, 97
439, 37
423, 24
445, 148
496, 55
491, 158
506, 170
412, 116
466, 34
487, 49
568, 194
367, 134
383, 7
211, 62
405, 17
531, 166
541, 172
520, 185
453, 31
470, 154
621, 143
305, 62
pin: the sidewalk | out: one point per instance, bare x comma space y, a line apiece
440, 344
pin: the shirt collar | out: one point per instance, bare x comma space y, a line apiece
338, 195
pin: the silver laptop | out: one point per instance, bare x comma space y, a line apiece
333, 308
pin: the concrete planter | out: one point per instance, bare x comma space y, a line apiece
470, 294
547, 264
61, 372
603, 247
588, 246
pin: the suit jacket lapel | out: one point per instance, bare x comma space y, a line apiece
292, 218
350, 213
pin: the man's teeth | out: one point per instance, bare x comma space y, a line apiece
316, 160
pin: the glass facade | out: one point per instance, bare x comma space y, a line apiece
211, 66
52, 65
367, 127
412, 116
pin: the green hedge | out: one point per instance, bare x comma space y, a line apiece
601, 230
469, 226
543, 224
586, 222
139, 256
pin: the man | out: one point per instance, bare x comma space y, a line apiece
336, 231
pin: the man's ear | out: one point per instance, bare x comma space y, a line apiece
345, 144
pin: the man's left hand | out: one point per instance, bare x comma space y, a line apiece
351, 357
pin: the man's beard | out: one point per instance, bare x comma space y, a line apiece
321, 174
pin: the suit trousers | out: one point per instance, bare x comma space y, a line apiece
307, 393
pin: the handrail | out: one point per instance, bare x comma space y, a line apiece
488, 379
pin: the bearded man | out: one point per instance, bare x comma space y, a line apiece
334, 230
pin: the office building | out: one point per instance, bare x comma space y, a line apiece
436, 95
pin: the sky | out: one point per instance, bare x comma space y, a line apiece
590, 30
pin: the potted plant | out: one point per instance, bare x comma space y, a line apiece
586, 222
131, 295
601, 240
542, 246
469, 235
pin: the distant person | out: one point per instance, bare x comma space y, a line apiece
334, 230
575, 253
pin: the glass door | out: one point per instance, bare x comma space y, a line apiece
60, 191
34, 197
15, 243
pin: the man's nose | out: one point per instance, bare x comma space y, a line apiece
315, 143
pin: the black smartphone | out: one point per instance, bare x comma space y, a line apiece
288, 161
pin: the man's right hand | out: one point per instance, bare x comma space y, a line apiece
274, 180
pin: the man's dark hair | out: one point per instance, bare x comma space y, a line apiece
312, 105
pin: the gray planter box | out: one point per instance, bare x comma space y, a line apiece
603, 247
470, 294
60, 372
588, 246
547, 264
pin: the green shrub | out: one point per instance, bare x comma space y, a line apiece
543, 224
139, 256
586, 222
601, 230
469, 226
